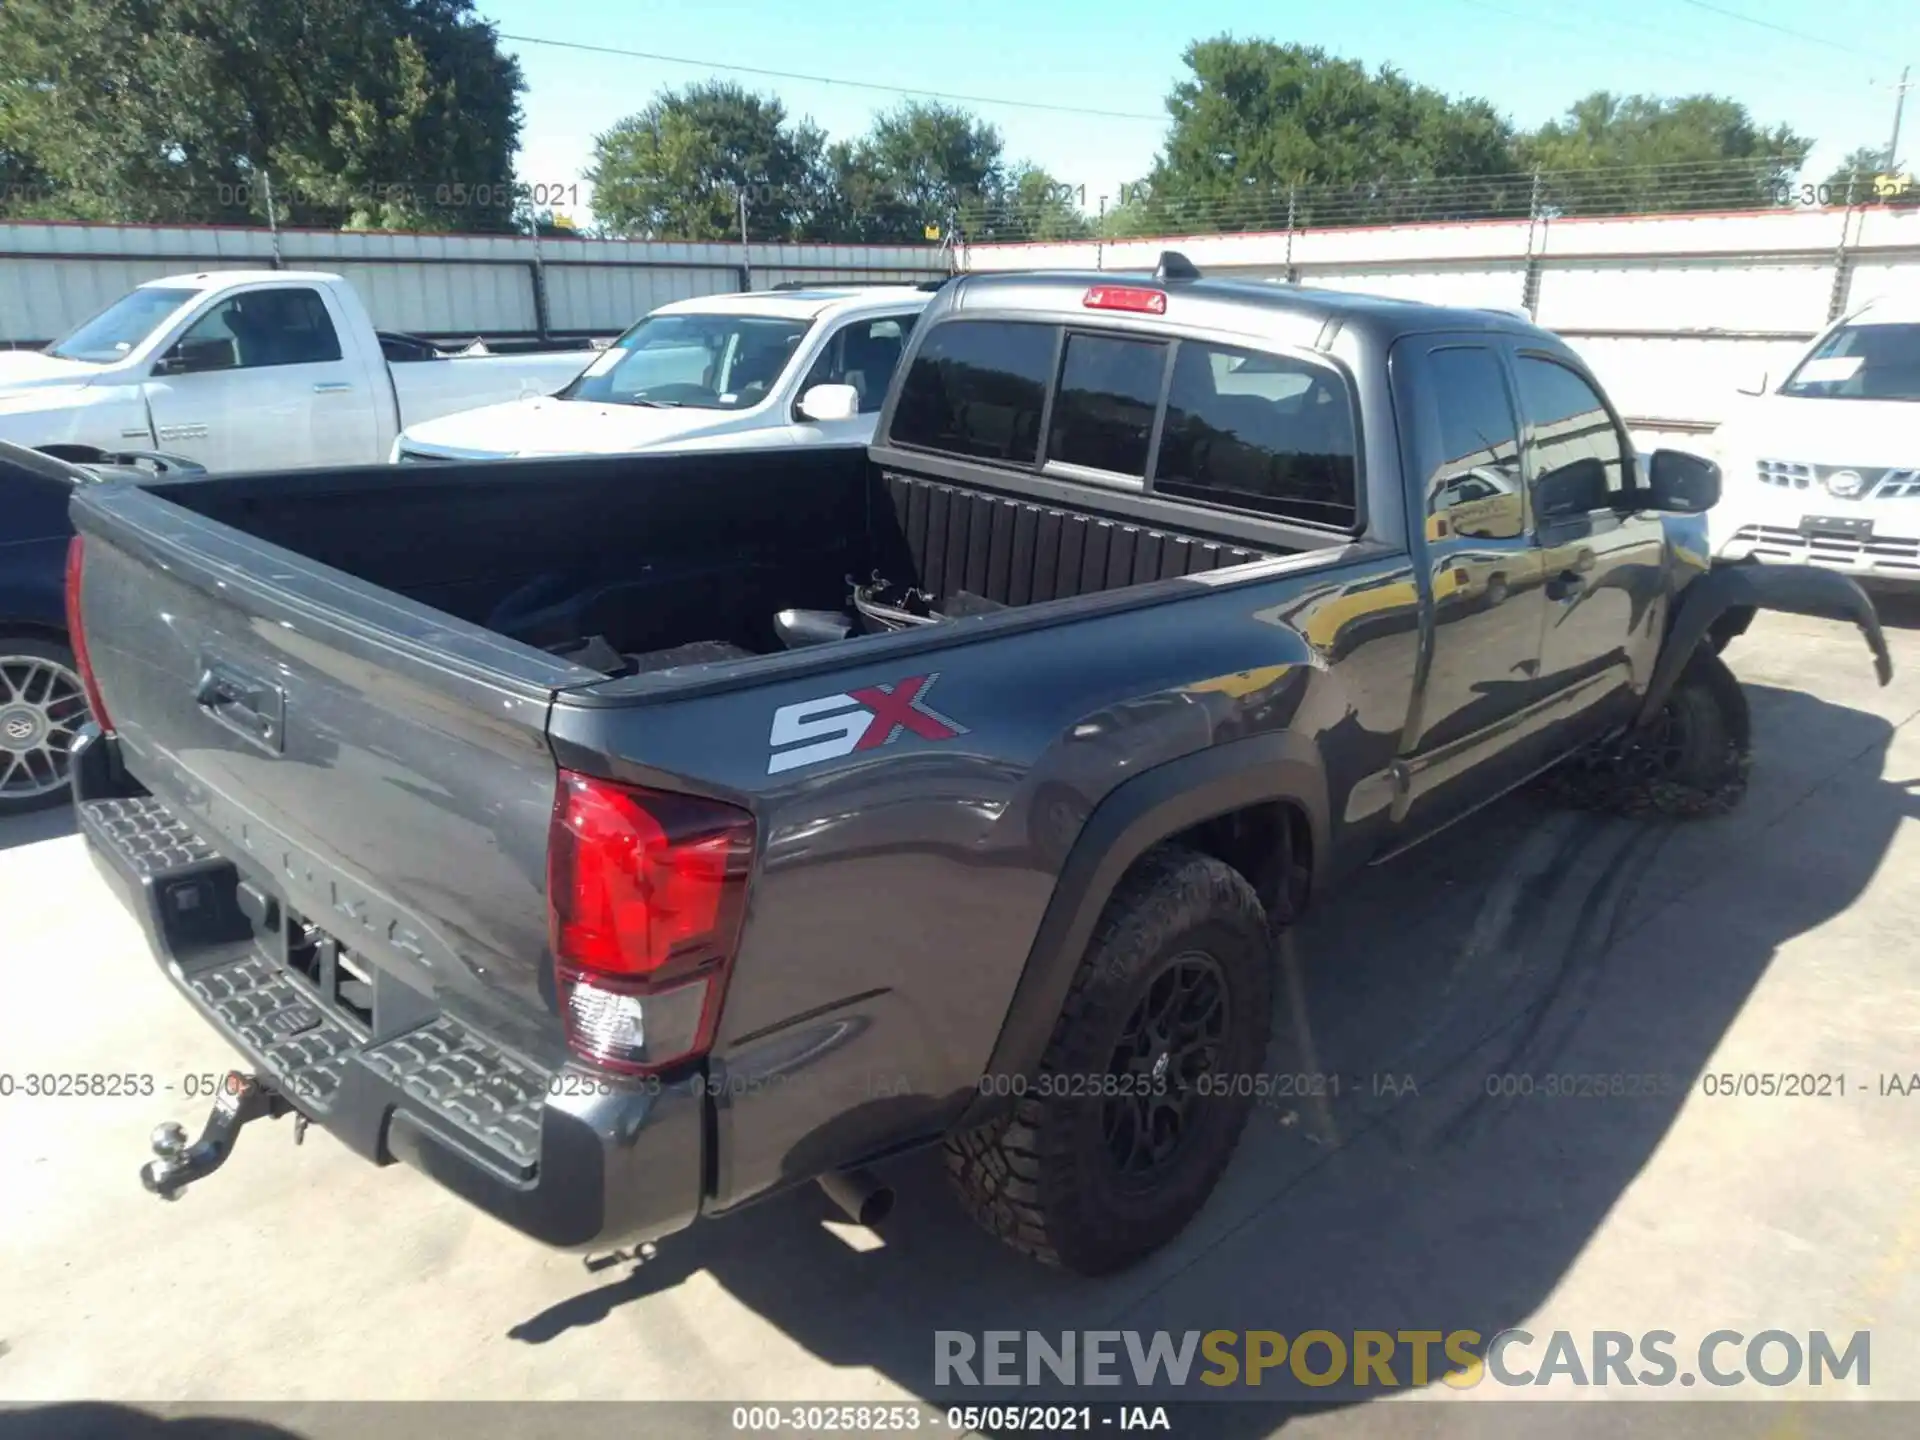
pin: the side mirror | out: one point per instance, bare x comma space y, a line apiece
1754, 384
830, 402
1574, 489
1681, 483
191, 357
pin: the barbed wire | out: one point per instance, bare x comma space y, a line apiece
1756, 183
819, 213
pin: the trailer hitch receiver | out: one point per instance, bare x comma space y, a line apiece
176, 1164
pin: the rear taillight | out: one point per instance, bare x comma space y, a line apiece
77, 630
646, 891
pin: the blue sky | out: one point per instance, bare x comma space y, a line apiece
1832, 80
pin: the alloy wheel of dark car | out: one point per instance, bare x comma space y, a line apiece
1168, 1047
42, 707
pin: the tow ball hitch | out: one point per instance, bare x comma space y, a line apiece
243, 1098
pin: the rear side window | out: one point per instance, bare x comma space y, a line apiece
1475, 490
1258, 432
977, 388
1103, 413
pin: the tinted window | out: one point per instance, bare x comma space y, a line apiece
977, 388
1571, 434
862, 354
1258, 432
1475, 489
261, 328
1103, 412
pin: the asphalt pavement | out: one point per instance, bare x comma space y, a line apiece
1481, 1166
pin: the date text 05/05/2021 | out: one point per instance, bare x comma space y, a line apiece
955, 1420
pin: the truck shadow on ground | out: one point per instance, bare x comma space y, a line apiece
1899, 609
1432, 1192
35, 826
91, 1420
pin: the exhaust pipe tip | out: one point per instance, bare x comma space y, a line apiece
861, 1197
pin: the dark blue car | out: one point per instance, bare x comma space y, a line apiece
42, 700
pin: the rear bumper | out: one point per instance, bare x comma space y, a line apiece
567, 1157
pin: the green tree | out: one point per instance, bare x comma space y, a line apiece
1258, 120
1853, 181
1030, 205
681, 167
21, 181
1631, 154
392, 113
922, 164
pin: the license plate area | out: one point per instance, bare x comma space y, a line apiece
340, 980
1850, 527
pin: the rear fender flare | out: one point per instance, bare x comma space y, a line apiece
1796, 589
1134, 817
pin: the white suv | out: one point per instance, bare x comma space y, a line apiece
1825, 468
801, 367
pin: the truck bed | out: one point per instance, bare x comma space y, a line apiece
669, 561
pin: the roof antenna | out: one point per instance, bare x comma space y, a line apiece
1175, 266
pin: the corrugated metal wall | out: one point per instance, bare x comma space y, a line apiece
1672, 312
52, 276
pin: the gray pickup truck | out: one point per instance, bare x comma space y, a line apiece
621, 839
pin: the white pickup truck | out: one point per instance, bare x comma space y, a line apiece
249, 370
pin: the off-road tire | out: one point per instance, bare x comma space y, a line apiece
1042, 1177
1691, 763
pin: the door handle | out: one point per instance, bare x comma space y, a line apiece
1566, 584
255, 711
332, 387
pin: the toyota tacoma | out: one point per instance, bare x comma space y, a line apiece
621, 839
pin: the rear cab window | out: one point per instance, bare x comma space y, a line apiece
1104, 406
977, 388
1228, 426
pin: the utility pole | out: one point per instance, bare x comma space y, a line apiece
1899, 104
746, 255
273, 218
